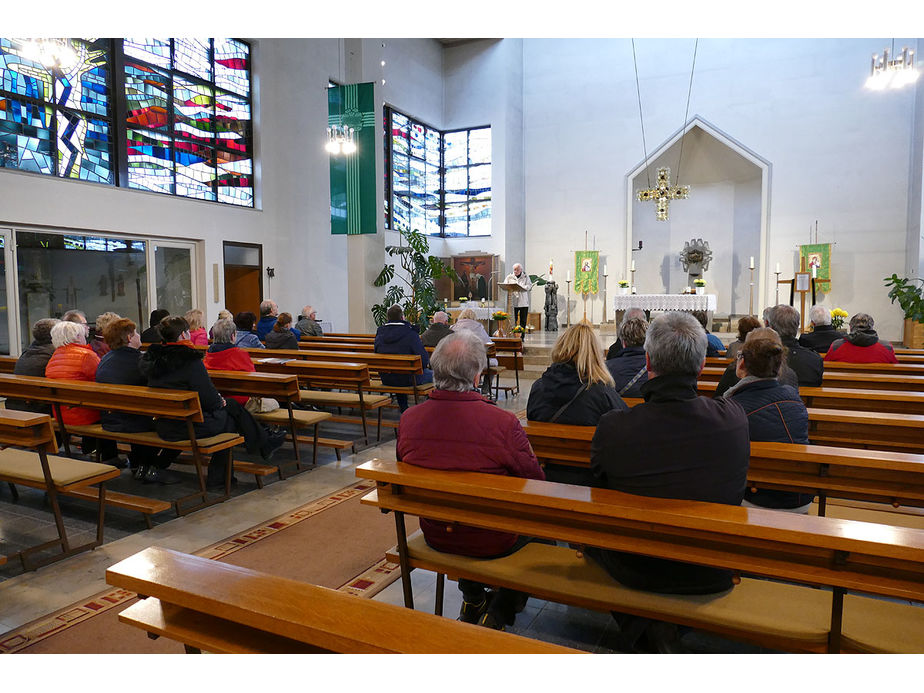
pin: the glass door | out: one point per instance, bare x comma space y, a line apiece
174, 276
7, 317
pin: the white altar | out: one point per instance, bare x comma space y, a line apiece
480, 313
665, 302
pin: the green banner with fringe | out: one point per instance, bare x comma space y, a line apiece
586, 266
352, 176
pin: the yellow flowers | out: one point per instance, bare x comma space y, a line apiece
500, 315
837, 318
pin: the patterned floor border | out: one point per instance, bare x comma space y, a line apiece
364, 585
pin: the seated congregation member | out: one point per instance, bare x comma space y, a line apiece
223, 314
281, 337
616, 347
79, 317
714, 344
861, 344
438, 329
398, 337
177, 366
246, 336
268, 312
745, 325
673, 445
197, 334
120, 367
307, 323
224, 356
98, 343
775, 412
823, 333
481, 438
577, 389
33, 361
152, 334
468, 322
73, 359
628, 366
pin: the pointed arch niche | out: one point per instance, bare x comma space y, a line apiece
728, 206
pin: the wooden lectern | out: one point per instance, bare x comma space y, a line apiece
510, 288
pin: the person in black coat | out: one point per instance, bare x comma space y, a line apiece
576, 389
152, 334
398, 337
823, 333
775, 411
179, 367
120, 366
616, 347
33, 361
628, 367
674, 445
438, 329
281, 336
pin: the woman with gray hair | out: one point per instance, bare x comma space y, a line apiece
224, 356
468, 323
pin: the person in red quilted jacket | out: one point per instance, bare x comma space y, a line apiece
74, 359
224, 356
457, 429
862, 344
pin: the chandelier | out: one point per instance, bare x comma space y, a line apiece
50, 52
340, 140
892, 72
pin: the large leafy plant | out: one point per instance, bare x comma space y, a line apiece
415, 293
908, 294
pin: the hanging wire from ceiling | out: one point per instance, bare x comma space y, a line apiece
686, 113
641, 120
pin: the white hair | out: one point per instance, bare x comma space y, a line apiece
819, 315
440, 316
456, 361
66, 332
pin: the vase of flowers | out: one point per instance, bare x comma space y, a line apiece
463, 299
500, 315
838, 315
518, 331
623, 286
700, 285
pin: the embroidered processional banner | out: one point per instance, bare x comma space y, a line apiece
817, 255
352, 176
586, 266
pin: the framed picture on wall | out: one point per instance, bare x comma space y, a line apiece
477, 277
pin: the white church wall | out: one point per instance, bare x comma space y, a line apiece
799, 104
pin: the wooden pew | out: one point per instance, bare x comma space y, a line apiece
352, 379
180, 405
894, 478
842, 555
32, 463
852, 379
882, 401
326, 345
356, 335
283, 387
341, 339
510, 352
222, 608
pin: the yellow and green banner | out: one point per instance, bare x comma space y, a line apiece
817, 255
352, 176
586, 265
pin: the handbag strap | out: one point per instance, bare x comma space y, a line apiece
634, 380
569, 402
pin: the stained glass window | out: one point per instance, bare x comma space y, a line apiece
55, 116
187, 128
437, 182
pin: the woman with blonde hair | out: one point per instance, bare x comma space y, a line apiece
576, 389
197, 334
98, 343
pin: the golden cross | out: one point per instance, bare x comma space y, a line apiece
664, 193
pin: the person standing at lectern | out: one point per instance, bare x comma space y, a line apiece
520, 298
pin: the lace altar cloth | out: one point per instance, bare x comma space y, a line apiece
688, 302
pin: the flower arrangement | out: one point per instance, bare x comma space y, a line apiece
699, 282
463, 299
500, 315
623, 284
838, 315
518, 330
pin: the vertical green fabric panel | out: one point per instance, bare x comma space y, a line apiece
352, 177
586, 264
823, 252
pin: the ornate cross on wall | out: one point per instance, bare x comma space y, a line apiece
664, 193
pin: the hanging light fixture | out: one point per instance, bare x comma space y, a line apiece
50, 52
887, 72
340, 140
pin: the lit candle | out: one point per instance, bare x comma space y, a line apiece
778, 268
550, 265
752, 262
633, 266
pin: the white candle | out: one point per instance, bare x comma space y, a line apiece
752, 262
633, 266
814, 271
778, 268
604, 270
568, 278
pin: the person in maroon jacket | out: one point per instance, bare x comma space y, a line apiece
480, 438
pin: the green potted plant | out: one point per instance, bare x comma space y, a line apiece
418, 294
910, 296
623, 286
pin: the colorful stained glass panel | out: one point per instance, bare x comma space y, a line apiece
146, 93
195, 170
20, 75
26, 139
84, 148
232, 122
152, 50
193, 108
150, 161
417, 140
85, 85
455, 148
193, 56
235, 179
456, 184
232, 66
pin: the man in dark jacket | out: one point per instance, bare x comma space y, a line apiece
631, 314
674, 445
481, 438
179, 367
152, 334
862, 344
33, 361
823, 333
438, 329
628, 366
398, 337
